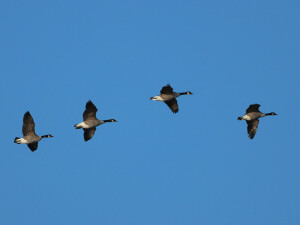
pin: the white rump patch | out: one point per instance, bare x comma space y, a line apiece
22, 141
246, 117
157, 98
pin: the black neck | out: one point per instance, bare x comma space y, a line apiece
46, 136
105, 121
270, 114
183, 93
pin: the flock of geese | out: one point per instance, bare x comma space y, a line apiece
90, 121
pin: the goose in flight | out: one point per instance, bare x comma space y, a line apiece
90, 121
29, 136
252, 115
168, 96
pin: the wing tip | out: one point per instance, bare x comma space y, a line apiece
255, 104
89, 102
27, 113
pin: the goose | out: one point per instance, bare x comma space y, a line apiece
252, 115
29, 136
169, 97
90, 121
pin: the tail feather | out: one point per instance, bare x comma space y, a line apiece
240, 118
77, 126
16, 138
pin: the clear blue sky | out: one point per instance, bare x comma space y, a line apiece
152, 167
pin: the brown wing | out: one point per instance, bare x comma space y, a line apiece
89, 133
253, 108
90, 111
172, 105
252, 127
166, 89
28, 125
33, 146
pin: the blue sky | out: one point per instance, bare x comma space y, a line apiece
152, 167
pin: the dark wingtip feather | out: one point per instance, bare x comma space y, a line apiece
33, 146
27, 113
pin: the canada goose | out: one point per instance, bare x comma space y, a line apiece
169, 97
29, 136
90, 121
252, 115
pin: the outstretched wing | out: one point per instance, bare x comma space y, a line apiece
252, 127
253, 108
166, 89
89, 133
33, 146
28, 125
172, 105
90, 111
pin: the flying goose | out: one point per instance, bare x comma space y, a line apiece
29, 136
90, 121
252, 115
169, 97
